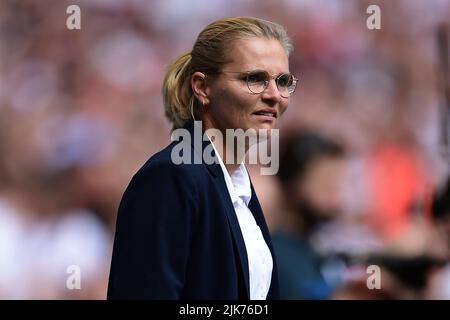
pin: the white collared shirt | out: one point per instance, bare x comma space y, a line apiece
259, 256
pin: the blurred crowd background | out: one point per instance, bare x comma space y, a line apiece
362, 169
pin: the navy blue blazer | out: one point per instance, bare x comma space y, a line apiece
177, 235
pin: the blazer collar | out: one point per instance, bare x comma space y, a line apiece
199, 145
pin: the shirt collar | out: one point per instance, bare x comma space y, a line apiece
238, 184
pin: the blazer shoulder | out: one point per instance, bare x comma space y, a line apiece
161, 166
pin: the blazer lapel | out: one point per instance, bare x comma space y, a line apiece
235, 231
216, 172
257, 212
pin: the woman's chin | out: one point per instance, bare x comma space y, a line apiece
264, 128
262, 132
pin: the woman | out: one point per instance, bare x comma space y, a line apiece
187, 231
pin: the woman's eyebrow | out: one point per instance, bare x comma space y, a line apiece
265, 71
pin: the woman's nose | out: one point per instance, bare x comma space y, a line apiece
271, 92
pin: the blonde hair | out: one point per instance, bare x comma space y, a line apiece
208, 55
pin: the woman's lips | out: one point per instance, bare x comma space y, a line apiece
265, 117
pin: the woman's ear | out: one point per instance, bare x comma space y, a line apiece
200, 87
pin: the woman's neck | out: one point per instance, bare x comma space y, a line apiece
232, 154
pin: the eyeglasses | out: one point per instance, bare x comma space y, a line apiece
258, 80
